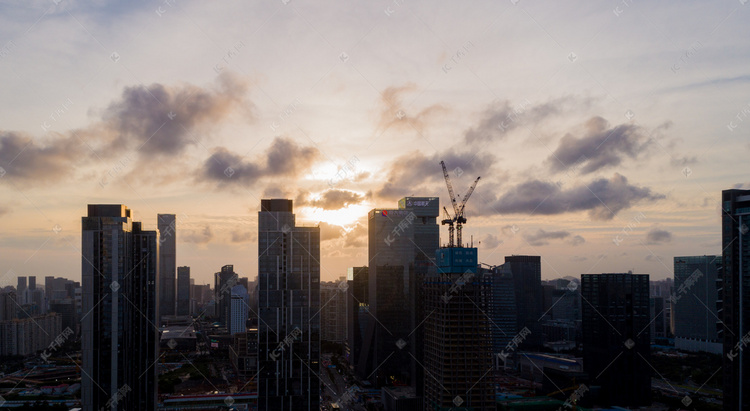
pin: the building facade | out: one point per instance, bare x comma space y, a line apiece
333, 311
289, 300
694, 303
734, 297
401, 250
616, 337
183, 291
119, 337
167, 225
527, 280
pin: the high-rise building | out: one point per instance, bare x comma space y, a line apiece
32, 282
457, 338
289, 299
238, 309
119, 334
616, 337
167, 224
401, 250
8, 305
527, 279
333, 310
357, 312
30, 335
694, 303
734, 297
501, 309
224, 280
21, 290
183, 291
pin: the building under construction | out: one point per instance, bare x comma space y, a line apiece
457, 339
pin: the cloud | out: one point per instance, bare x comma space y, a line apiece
602, 198
411, 170
333, 199
658, 236
284, 158
24, 159
601, 146
683, 161
393, 113
162, 120
501, 117
356, 237
576, 240
330, 231
198, 237
491, 241
241, 236
542, 237
4, 210
509, 229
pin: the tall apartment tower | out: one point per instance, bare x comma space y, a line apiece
21, 290
119, 338
527, 280
167, 225
238, 309
183, 291
224, 280
502, 310
735, 295
401, 250
289, 301
616, 337
694, 303
457, 337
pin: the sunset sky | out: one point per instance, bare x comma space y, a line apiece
604, 132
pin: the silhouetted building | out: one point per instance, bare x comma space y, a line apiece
289, 299
224, 280
167, 225
8, 305
457, 338
183, 291
21, 290
616, 337
694, 301
357, 312
527, 278
333, 310
120, 341
501, 309
401, 250
734, 297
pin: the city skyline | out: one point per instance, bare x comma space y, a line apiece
642, 108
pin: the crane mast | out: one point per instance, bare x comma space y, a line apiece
458, 218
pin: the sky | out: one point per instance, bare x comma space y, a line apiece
603, 132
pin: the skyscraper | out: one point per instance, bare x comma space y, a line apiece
224, 280
333, 310
527, 278
401, 250
183, 290
694, 301
501, 309
735, 295
238, 309
120, 296
457, 338
289, 299
167, 225
21, 290
357, 312
616, 337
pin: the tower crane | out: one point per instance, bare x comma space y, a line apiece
458, 218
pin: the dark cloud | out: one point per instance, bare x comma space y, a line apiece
576, 240
333, 199
357, 236
602, 198
601, 146
24, 159
501, 117
284, 158
542, 237
491, 241
198, 236
413, 169
658, 236
394, 114
163, 120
